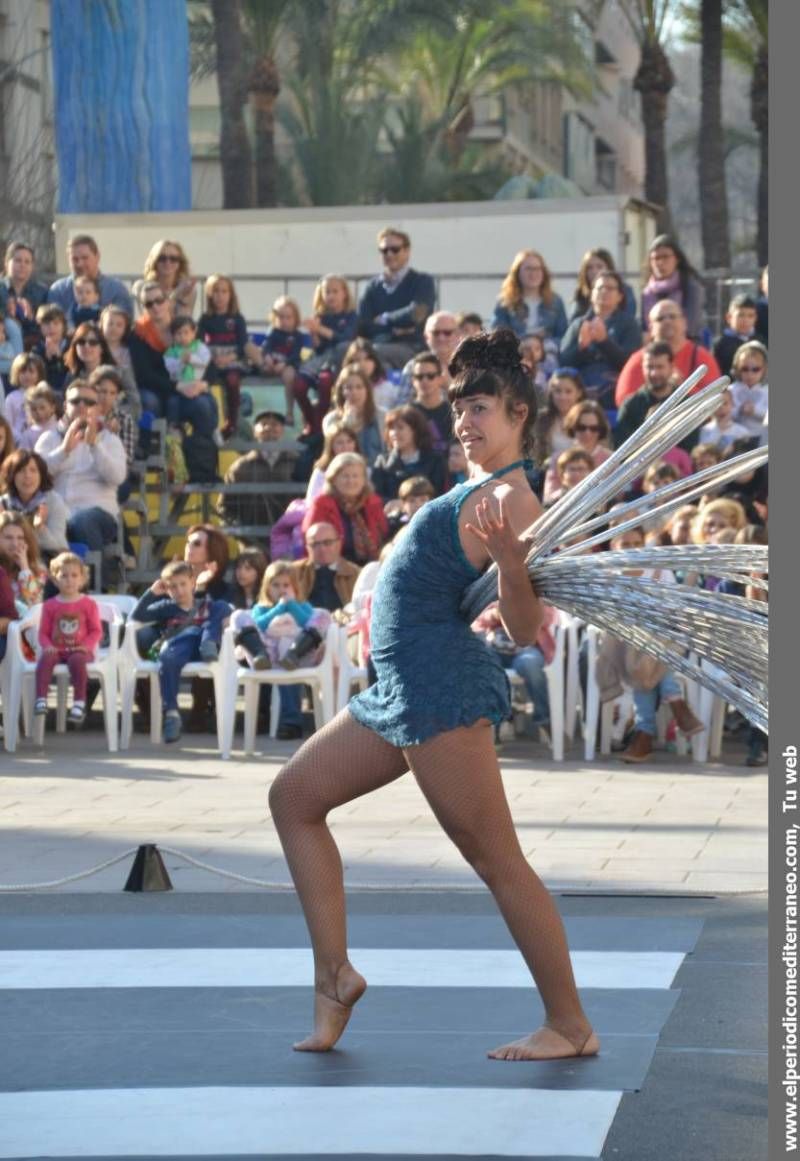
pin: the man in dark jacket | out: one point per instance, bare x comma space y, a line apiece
273, 462
395, 304
660, 380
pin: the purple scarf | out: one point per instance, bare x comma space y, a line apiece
658, 288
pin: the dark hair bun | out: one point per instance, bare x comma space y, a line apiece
488, 351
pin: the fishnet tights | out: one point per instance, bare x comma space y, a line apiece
459, 775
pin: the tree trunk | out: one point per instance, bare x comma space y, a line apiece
653, 81
713, 187
264, 89
234, 145
759, 107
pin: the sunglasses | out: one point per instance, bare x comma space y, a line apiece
154, 301
665, 317
84, 399
443, 333
87, 342
323, 543
752, 370
391, 249
426, 375
586, 427
168, 258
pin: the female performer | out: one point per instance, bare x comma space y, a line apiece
442, 731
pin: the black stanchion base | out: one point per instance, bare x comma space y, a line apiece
148, 872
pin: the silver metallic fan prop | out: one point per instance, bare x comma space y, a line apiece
716, 639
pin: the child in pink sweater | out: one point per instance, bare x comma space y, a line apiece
69, 632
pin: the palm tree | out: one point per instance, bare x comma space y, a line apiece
482, 51
649, 21
234, 144
745, 40
711, 153
264, 20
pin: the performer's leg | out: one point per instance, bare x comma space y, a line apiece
458, 773
338, 763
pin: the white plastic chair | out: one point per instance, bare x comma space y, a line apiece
320, 678
594, 711
711, 711
350, 672
19, 691
554, 672
134, 667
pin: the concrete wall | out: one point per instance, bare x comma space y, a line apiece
467, 246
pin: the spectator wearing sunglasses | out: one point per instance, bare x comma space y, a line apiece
87, 351
587, 426
442, 336
394, 305
154, 326
168, 265
87, 463
428, 379
83, 255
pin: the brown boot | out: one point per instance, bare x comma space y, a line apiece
685, 720
639, 749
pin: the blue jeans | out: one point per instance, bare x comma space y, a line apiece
151, 402
647, 701
529, 664
92, 526
291, 713
201, 412
185, 647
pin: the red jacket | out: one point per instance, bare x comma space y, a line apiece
690, 356
324, 509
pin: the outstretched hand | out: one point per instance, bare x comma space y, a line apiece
495, 533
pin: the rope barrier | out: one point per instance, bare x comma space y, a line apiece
274, 886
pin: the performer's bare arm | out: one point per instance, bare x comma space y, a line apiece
496, 524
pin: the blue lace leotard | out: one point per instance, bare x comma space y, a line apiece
434, 672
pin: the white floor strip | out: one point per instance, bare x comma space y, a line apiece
239, 967
346, 1121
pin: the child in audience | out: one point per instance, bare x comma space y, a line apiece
248, 573
51, 349
469, 323
332, 326
280, 629
542, 364
41, 406
722, 430
659, 684
564, 390
188, 357
282, 352
188, 628
69, 632
457, 467
742, 320
86, 308
223, 329
338, 438
413, 494
385, 393
749, 391
186, 360
26, 371
354, 406
572, 466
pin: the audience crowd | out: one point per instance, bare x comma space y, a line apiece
87, 365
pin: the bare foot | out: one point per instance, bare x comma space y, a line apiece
547, 1044
331, 1013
